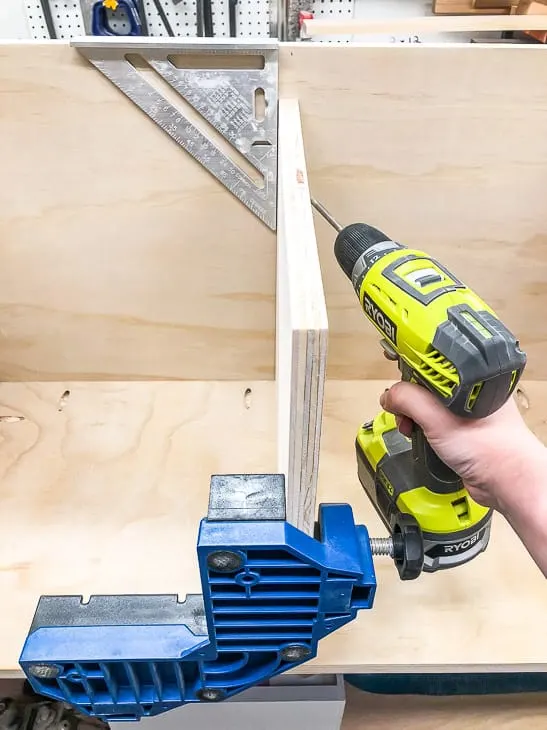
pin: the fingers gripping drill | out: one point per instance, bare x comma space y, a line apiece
446, 339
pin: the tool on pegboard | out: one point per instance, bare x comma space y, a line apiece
224, 97
48, 18
208, 19
143, 17
232, 18
100, 18
135, 13
164, 18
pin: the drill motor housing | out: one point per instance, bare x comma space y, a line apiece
443, 335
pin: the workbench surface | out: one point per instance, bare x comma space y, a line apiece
109, 273
106, 495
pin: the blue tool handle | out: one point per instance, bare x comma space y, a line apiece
101, 26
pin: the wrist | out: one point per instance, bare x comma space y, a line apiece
522, 483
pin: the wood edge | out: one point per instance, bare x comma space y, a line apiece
435, 24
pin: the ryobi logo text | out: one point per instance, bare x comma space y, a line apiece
458, 547
380, 319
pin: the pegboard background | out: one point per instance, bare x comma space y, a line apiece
24, 19
252, 17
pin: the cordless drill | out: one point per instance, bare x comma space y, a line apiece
446, 339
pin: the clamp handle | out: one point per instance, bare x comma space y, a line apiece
100, 24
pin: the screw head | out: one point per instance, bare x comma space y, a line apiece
224, 561
295, 652
44, 671
210, 694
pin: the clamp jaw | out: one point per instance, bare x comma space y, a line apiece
270, 593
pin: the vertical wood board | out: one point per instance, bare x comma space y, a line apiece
301, 325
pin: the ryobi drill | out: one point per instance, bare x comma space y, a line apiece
448, 340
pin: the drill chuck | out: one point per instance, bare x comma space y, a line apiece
353, 241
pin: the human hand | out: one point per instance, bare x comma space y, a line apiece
491, 455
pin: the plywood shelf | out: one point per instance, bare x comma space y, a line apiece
108, 494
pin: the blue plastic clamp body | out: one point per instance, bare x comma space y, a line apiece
288, 590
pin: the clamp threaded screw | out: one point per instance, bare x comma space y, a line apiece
381, 546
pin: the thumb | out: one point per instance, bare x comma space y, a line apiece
416, 402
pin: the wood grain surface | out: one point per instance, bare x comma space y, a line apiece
441, 151
469, 618
122, 258
401, 712
102, 490
106, 494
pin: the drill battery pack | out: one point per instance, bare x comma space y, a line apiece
455, 528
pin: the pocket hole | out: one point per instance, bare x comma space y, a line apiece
63, 400
247, 398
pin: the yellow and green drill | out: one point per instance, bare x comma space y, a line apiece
446, 339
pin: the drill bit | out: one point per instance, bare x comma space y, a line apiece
326, 215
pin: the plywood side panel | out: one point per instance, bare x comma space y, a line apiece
442, 151
121, 258
301, 328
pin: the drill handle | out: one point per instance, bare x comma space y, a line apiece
429, 470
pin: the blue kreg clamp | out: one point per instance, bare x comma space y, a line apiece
270, 593
101, 26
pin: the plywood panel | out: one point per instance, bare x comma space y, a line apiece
437, 148
106, 495
301, 326
431, 144
121, 257
465, 619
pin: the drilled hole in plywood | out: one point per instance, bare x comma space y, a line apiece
247, 398
63, 400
